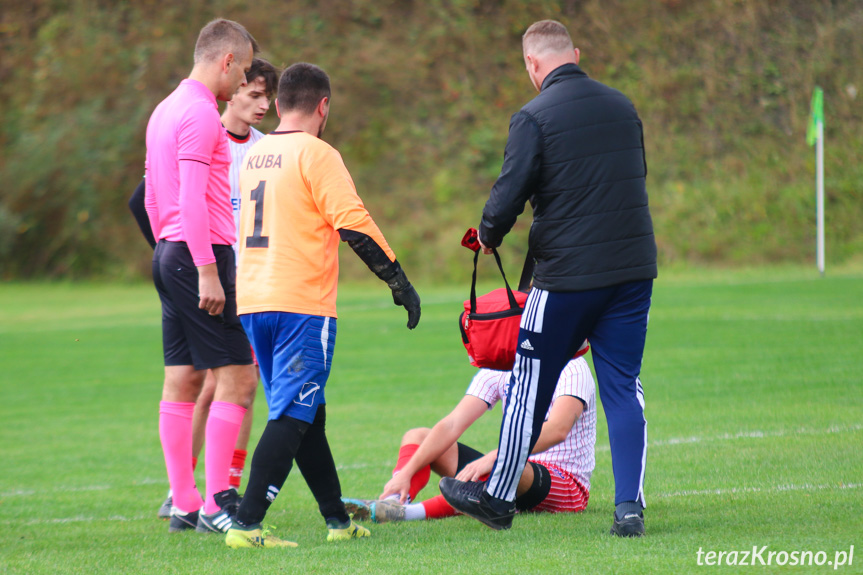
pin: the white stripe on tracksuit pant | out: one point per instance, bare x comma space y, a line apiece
553, 327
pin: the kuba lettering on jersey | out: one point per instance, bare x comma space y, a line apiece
259, 161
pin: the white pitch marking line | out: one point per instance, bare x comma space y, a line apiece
27, 492
771, 489
755, 434
84, 519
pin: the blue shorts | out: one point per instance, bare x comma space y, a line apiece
295, 354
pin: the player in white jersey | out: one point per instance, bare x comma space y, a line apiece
247, 108
242, 136
556, 479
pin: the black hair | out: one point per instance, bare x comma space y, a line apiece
263, 69
301, 87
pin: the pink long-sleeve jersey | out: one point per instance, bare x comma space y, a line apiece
188, 197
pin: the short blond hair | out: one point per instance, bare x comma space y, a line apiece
220, 37
546, 36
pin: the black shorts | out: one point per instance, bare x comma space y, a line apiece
190, 335
536, 493
538, 490
466, 454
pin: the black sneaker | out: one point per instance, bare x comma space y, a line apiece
165, 509
221, 520
229, 499
182, 522
471, 499
631, 525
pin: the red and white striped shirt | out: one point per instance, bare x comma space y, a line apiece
575, 454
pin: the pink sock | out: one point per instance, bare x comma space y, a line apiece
175, 431
223, 427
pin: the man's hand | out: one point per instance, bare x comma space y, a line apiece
485, 250
410, 299
476, 469
210, 290
400, 484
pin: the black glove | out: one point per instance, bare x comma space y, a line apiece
405, 295
410, 299
371, 253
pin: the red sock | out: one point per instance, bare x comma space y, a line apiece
438, 508
237, 465
421, 477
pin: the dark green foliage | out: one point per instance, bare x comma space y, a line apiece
422, 95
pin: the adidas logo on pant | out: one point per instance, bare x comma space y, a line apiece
272, 491
526, 345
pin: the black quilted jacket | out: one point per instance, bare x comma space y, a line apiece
576, 151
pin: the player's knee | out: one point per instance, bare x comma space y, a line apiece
182, 383
415, 436
236, 384
247, 396
208, 390
250, 382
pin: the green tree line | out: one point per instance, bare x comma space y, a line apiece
422, 95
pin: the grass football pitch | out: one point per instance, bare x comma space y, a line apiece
754, 404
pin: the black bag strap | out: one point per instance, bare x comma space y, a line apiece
526, 272
513, 304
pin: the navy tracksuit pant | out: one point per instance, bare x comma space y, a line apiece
553, 327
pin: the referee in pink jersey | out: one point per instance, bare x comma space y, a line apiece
188, 203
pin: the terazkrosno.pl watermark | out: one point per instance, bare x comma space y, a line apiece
758, 556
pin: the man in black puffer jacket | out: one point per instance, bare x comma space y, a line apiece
576, 151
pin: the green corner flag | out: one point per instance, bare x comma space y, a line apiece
816, 116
